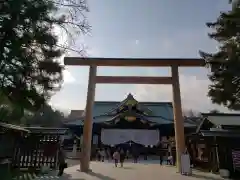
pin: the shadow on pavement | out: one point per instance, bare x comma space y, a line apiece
145, 162
100, 176
127, 167
63, 177
69, 177
198, 176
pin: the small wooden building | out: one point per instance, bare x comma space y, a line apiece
40, 148
10, 136
30, 147
216, 143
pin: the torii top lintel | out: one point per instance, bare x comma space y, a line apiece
161, 62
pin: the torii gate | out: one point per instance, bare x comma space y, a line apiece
94, 79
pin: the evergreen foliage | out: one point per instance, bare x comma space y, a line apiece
225, 64
46, 117
29, 49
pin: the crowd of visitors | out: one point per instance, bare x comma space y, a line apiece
118, 155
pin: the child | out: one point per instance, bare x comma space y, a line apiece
116, 157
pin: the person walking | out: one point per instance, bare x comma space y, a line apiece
122, 157
108, 153
98, 158
135, 156
161, 157
102, 154
61, 161
116, 157
135, 152
170, 160
127, 154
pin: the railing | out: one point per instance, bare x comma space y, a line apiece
35, 152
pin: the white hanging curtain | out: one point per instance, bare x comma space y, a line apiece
119, 136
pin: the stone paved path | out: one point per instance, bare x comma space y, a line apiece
107, 171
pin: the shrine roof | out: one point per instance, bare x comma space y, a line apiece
13, 127
153, 119
152, 112
46, 130
156, 120
76, 113
163, 111
220, 133
225, 119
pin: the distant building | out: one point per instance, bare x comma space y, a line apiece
215, 143
76, 114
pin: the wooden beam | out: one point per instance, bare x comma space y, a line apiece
87, 128
133, 80
178, 117
163, 62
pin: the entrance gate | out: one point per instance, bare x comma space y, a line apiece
94, 79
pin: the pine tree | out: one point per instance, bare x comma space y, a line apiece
29, 70
225, 64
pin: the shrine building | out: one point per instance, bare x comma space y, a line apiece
128, 122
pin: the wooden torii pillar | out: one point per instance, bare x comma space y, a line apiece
87, 128
93, 79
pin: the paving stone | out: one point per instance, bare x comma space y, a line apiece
130, 171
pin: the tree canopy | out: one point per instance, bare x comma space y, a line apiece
225, 63
214, 111
29, 49
45, 117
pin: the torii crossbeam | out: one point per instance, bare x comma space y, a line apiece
94, 79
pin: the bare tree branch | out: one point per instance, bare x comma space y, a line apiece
73, 21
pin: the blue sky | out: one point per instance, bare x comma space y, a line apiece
146, 29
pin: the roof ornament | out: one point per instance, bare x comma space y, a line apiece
130, 96
130, 101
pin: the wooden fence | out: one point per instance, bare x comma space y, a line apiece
36, 151
30, 148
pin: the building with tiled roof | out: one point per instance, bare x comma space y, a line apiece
128, 114
76, 114
103, 111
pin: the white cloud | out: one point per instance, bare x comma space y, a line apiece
136, 42
93, 52
194, 87
63, 41
68, 78
193, 93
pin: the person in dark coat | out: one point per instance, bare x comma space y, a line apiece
61, 161
135, 153
161, 157
122, 157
